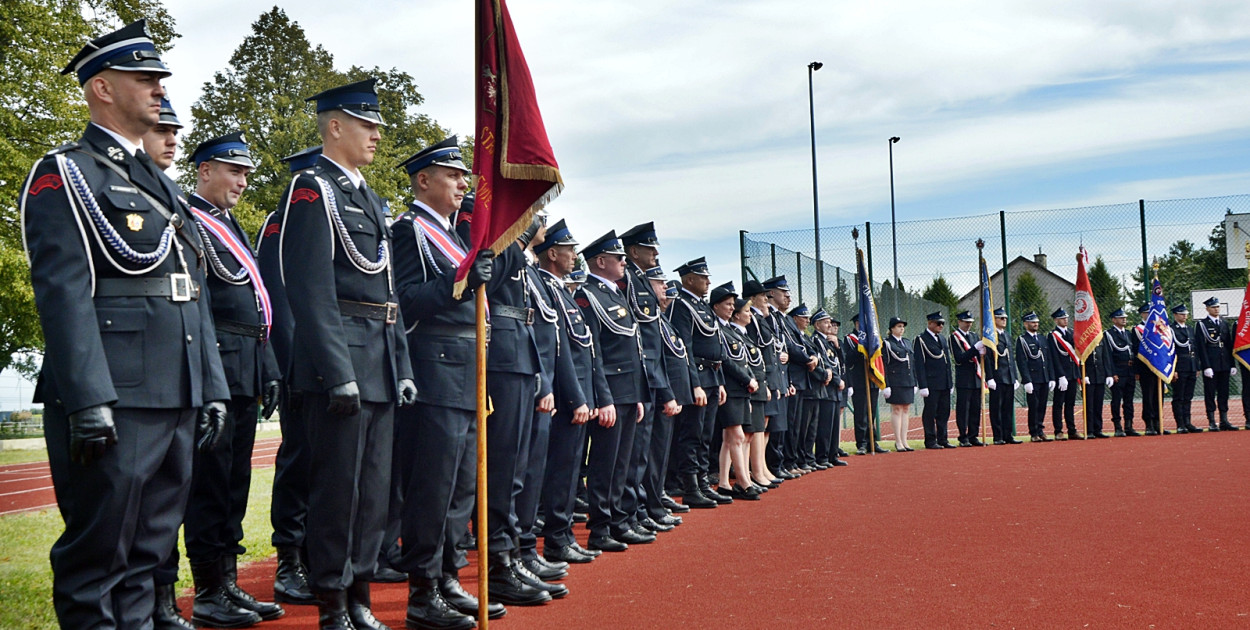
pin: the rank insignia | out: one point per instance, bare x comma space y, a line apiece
646, 310
117, 154
620, 311
134, 222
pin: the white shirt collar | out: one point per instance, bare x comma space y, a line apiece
1117, 328
211, 204
129, 146
691, 293
933, 334
353, 175
722, 322
610, 283
741, 329
443, 221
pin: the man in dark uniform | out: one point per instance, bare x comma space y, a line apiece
680, 370
242, 315
696, 326
809, 397
438, 434
642, 249
1035, 373
1060, 346
289, 504
1186, 372
777, 297
349, 356
161, 142
933, 377
798, 371
1122, 359
966, 348
1214, 350
575, 399
131, 378
1000, 379
1098, 379
1148, 380
861, 395
606, 309
825, 340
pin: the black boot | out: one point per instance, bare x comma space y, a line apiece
359, 607
290, 581
1211, 421
427, 610
506, 587
268, 611
455, 595
332, 611
692, 496
166, 615
556, 591
1225, 425
706, 488
213, 606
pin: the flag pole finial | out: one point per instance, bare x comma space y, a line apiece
980, 243
855, 237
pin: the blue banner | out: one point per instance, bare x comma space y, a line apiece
989, 332
1157, 350
870, 337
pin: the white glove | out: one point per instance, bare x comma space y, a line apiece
1110, 382
1050, 385
924, 393
850, 391
886, 392
1016, 385
1233, 371
915, 390
1028, 388
991, 384
1209, 373
980, 345
1063, 383
1087, 380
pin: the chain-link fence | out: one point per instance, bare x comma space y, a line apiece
918, 267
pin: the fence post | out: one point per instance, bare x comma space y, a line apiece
773, 251
1002, 236
798, 260
837, 288
742, 255
868, 248
1145, 264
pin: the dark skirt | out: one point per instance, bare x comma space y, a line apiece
732, 413
755, 417
774, 407
904, 395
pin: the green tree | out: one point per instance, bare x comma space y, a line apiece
262, 92
842, 303
40, 109
940, 291
1027, 295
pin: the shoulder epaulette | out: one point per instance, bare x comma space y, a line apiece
64, 148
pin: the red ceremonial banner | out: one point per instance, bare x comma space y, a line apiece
1088, 325
1241, 343
515, 170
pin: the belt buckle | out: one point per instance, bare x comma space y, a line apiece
180, 287
529, 317
392, 312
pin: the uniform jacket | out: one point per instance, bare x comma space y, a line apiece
248, 362
1183, 337
832, 364
136, 352
998, 365
268, 258
855, 362
1098, 365
330, 348
550, 334
679, 367
737, 369
966, 358
694, 322
800, 353
446, 364
512, 346
1213, 345
607, 312
900, 370
933, 361
758, 362
589, 385
1120, 352
1032, 364
646, 308
761, 332
1061, 357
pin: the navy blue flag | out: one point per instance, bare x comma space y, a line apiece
989, 332
870, 337
1157, 350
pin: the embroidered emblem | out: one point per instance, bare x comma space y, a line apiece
51, 180
117, 154
134, 222
304, 194
271, 229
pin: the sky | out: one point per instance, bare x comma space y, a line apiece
695, 114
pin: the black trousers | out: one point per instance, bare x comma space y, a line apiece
657, 464
121, 513
826, 447
1215, 392
1122, 402
1037, 408
435, 443
693, 435
1183, 396
610, 449
1150, 401
802, 410
1003, 411
288, 507
1094, 395
1064, 407
807, 441
935, 415
634, 496
220, 480
508, 429
529, 495
566, 451
349, 491
968, 413
859, 408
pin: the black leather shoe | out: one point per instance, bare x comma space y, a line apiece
719, 498
1119, 433
331, 611
861, 451
556, 591
673, 506
838, 462
580, 505
213, 606
1074, 436
580, 517
881, 450
655, 525
606, 543
428, 609
822, 465
668, 519
947, 444
1193, 429
999, 442
388, 575
842, 453
268, 611
632, 537
745, 494
360, 608
975, 442
1043, 438
692, 496
532, 565
1131, 433
166, 615
593, 553
1151, 432
551, 565
1100, 435
567, 554
1013, 440
459, 599
507, 587
290, 580
1225, 426
965, 443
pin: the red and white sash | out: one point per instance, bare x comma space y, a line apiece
1063, 343
243, 255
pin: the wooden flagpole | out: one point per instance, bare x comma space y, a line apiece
483, 571
1084, 409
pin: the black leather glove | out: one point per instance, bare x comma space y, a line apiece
536, 224
269, 398
91, 433
481, 269
210, 426
407, 392
344, 399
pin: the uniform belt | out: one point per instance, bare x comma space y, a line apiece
388, 312
445, 330
512, 312
178, 287
256, 331
706, 363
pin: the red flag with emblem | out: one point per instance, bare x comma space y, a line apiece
516, 171
1088, 325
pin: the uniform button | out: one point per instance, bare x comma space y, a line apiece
360, 226
108, 322
188, 338
442, 356
132, 204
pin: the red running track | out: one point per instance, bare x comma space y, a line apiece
25, 487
